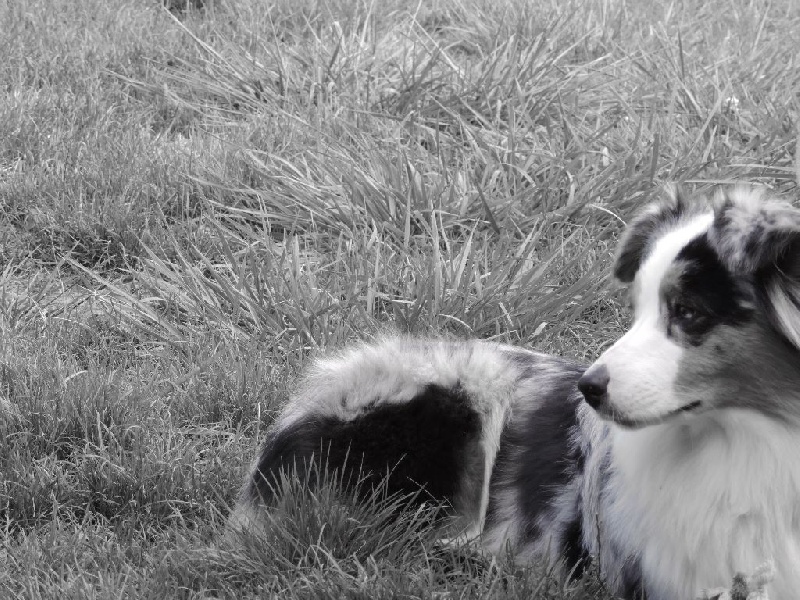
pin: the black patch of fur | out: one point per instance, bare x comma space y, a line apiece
538, 458
707, 287
632, 582
638, 236
548, 460
429, 442
576, 558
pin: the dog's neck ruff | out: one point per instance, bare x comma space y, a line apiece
706, 496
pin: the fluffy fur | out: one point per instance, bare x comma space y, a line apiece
678, 470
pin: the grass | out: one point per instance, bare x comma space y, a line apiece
193, 201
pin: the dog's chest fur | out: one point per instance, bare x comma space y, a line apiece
707, 497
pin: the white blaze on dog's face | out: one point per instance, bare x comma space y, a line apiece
715, 297
643, 365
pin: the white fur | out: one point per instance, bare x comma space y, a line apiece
707, 496
785, 310
643, 364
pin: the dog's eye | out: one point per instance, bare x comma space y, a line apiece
684, 313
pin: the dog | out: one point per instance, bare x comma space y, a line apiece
673, 461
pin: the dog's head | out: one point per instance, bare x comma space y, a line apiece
715, 288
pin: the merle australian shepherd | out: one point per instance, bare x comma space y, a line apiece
673, 461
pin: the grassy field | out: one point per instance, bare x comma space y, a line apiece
193, 202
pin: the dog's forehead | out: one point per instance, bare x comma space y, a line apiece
666, 246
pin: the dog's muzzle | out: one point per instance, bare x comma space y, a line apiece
593, 384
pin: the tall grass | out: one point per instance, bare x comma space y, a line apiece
193, 201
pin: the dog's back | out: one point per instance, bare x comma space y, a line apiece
487, 430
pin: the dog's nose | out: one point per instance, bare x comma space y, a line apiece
594, 385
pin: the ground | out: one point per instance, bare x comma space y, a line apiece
195, 201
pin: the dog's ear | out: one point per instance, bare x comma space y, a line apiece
636, 240
759, 237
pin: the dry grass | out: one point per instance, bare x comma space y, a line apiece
192, 202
